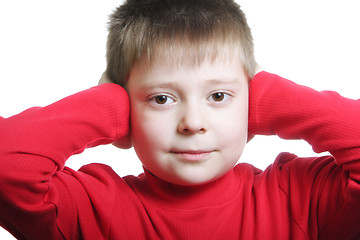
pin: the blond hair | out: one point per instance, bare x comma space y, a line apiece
181, 30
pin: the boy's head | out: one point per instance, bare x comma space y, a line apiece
186, 66
180, 30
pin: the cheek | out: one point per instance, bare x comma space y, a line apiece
148, 129
232, 135
142, 130
150, 137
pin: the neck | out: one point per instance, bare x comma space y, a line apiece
215, 193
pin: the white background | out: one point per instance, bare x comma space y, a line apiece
50, 49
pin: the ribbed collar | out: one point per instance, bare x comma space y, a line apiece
168, 195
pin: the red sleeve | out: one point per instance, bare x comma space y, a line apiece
327, 188
34, 146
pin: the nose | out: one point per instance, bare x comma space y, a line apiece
192, 120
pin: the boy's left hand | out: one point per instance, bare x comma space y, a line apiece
258, 69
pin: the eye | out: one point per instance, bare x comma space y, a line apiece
219, 97
161, 100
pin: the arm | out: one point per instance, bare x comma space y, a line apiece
328, 122
35, 145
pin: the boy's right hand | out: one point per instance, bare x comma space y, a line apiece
124, 142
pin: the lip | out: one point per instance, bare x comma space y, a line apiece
192, 156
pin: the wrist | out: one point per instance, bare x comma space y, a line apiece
260, 85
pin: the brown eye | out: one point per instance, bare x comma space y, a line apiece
218, 97
161, 99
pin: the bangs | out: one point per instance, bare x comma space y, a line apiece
178, 52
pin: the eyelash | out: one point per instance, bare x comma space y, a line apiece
223, 97
155, 99
163, 99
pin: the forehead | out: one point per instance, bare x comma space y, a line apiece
182, 54
163, 71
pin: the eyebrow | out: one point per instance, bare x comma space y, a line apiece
222, 81
161, 85
209, 82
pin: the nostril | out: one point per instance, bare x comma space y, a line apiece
188, 131
185, 131
202, 130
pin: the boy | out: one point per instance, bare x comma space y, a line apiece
186, 67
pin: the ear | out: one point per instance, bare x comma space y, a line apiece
124, 142
250, 136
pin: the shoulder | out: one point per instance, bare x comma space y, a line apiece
290, 171
288, 163
101, 173
95, 178
305, 174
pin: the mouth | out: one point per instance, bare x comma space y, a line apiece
192, 156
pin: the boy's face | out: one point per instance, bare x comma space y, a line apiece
189, 123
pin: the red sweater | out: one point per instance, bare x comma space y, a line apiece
294, 198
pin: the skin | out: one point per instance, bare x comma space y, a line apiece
189, 123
